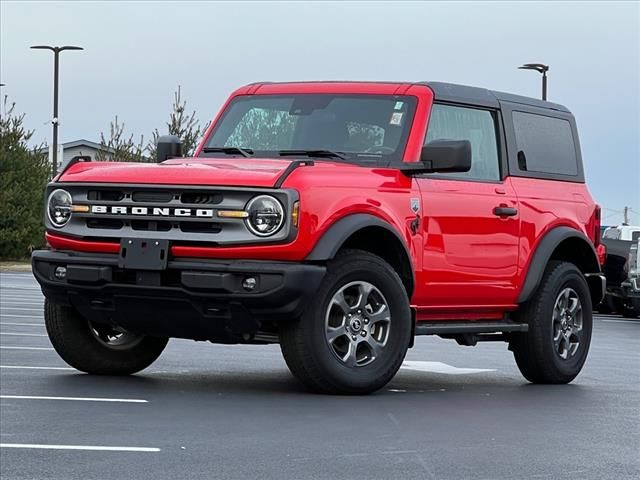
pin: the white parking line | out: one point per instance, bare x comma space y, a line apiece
79, 447
25, 348
23, 334
24, 367
22, 309
23, 324
439, 367
622, 321
7, 315
75, 399
35, 305
12, 287
21, 296
22, 293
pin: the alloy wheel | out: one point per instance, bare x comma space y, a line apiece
357, 324
567, 323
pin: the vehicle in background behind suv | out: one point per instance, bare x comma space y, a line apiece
621, 269
341, 220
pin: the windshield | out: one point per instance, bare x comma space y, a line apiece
356, 128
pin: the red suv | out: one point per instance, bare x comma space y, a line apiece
339, 220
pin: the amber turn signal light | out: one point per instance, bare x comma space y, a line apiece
295, 214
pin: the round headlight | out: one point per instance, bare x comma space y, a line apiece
266, 215
59, 207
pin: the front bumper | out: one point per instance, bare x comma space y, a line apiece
191, 298
631, 288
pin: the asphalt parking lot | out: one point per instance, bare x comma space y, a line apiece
235, 412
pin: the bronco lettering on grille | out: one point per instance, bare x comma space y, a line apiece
153, 211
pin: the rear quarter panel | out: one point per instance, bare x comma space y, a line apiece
545, 205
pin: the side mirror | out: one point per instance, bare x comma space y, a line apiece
168, 146
441, 156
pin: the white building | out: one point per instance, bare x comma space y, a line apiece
79, 147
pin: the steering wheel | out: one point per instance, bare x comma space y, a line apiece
379, 149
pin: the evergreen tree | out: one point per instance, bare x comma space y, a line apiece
24, 173
182, 124
125, 149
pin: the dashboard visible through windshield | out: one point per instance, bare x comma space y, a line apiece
368, 129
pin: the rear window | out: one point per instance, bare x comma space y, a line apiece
545, 144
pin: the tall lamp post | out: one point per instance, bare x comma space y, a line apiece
541, 68
56, 53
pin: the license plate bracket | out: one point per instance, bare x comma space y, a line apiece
143, 254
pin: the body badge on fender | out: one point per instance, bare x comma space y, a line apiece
415, 205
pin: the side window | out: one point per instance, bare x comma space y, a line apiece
448, 122
545, 144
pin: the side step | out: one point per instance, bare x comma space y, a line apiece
471, 327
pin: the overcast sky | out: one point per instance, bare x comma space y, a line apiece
136, 53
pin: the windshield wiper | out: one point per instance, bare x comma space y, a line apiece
312, 153
245, 152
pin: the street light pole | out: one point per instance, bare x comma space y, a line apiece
541, 68
56, 68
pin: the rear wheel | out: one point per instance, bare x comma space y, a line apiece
560, 323
353, 339
97, 348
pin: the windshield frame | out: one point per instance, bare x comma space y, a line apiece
357, 158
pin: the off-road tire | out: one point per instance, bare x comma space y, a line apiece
304, 345
72, 338
534, 351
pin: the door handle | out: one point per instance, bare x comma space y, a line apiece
503, 211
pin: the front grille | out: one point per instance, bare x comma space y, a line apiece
201, 198
183, 215
152, 197
151, 225
105, 195
105, 223
200, 227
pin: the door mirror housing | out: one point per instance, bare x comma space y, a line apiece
168, 146
441, 156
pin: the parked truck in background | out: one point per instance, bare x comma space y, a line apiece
621, 270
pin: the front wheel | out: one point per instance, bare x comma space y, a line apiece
560, 321
96, 348
353, 338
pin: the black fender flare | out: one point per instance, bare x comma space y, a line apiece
338, 233
543, 253
333, 239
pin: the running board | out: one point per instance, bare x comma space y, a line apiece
453, 328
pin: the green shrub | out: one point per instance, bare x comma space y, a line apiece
23, 176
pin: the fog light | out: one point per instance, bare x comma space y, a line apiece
249, 283
60, 273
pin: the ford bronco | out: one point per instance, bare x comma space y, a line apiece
340, 220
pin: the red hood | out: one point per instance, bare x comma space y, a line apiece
185, 171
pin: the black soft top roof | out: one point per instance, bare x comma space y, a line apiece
451, 92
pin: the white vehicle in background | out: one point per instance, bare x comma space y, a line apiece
622, 232
622, 269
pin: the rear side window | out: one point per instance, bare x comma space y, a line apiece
545, 144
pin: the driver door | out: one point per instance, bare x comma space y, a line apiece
470, 219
